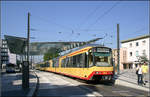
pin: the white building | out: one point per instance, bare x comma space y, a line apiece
12, 58
136, 47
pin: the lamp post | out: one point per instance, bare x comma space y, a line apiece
25, 75
118, 50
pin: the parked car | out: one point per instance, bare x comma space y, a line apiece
10, 68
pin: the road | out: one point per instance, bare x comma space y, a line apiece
51, 84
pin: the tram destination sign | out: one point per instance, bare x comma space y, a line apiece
102, 50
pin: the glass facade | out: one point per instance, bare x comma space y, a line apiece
4, 53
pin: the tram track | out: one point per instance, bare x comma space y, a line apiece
102, 88
92, 87
113, 90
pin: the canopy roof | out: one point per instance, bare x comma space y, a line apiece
17, 45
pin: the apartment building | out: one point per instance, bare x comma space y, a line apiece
4, 53
123, 58
6, 56
135, 48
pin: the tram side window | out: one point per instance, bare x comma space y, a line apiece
85, 60
44, 64
69, 62
66, 62
80, 61
90, 58
77, 61
63, 63
56, 63
47, 64
53, 63
74, 61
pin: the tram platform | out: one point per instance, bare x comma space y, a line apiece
11, 85
128, 78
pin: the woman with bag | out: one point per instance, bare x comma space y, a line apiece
139, 75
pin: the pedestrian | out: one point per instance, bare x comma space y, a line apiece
144, 72
139, 74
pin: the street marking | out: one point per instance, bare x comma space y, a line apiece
120, 91
123, 93
53, 79
88, 95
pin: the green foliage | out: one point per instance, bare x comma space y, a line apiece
143, 58
51, 53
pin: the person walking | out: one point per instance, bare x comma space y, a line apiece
139, 74
144, 73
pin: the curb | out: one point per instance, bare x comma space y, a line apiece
124, 83
37, 86
133, 83
33, 90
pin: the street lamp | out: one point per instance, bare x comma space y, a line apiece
25, 75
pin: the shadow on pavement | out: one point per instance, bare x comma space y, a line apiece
12, 85
46, 89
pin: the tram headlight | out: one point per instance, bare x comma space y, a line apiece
97, 72
111, 72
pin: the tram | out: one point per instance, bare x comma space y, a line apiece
89, 62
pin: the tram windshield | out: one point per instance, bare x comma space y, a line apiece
101, 57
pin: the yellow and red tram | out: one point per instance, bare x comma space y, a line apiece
90, 62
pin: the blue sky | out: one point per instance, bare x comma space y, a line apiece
75, 20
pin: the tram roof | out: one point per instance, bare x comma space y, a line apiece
84, 46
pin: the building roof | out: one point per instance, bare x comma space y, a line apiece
137, 38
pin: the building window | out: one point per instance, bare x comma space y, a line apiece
130, 44
144, 52
137, 53
143, 42
130, 53
137, 44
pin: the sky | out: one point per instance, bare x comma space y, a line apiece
75, 20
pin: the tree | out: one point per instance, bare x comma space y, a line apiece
51, 53
143, 58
